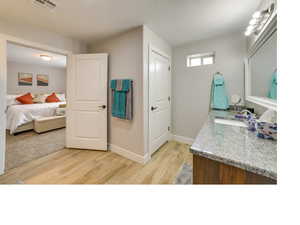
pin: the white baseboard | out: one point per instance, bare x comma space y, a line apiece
128, 154
182, 139
144, 159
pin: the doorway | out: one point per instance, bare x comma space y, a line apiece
35, 127
78, 106
5, 40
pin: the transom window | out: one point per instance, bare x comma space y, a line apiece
200, 59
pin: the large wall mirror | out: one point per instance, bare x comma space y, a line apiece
261, 68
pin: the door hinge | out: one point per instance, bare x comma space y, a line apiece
169, 128
169, 68
169, 98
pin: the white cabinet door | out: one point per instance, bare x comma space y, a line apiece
87, 102
159, 100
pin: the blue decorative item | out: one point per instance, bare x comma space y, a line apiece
273, 87
267, 130
219, 98
251, 121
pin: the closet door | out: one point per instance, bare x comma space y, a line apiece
159, 100
87, 102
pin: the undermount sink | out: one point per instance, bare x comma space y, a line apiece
230, 122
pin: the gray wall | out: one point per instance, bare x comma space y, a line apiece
125, 61
42, 36
128, 58
57, 78
191, 86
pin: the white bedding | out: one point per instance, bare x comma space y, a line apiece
18, 115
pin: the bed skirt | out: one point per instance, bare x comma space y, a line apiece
24, 127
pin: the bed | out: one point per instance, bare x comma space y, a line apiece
20, 117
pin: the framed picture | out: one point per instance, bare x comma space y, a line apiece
25, 79
42, 80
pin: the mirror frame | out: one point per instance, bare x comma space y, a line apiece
269, 29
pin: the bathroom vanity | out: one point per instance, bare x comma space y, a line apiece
231, 154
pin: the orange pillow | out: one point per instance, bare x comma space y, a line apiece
25, 99
52, 98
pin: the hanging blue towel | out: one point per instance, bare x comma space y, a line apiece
121, 99
219, 98
273, 88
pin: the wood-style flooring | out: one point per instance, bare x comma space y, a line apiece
70, 166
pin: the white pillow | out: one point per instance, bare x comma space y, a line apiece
40, 98
11, 100
61, 97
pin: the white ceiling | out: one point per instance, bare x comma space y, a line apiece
20, 54
177, 21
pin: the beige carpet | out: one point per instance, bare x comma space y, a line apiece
29, 145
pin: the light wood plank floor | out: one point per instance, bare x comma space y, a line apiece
70, 166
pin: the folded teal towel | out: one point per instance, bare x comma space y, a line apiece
273, 88
120, 89
120, 85
219, 98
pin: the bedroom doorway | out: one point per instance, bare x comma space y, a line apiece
35, 104
94, 65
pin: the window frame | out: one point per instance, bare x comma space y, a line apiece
201, 56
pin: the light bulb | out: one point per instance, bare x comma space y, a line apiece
253, 22
248, 32
252, 27
256, 15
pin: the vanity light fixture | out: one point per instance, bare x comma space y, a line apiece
259, 19
46, 57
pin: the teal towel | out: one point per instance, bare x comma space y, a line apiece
219, 98
273, 87
113, 84
125, 85
119, 98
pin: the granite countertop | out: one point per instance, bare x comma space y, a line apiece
236, 146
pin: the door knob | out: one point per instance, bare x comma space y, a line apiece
153, 108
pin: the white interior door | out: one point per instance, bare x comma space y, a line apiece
3, 45
159, 100
87, 102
